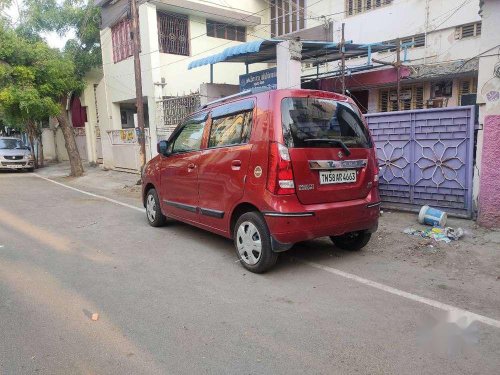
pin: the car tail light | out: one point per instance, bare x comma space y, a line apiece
280, 173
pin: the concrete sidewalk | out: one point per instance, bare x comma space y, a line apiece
97, 180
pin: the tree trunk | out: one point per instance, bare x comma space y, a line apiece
69, 141
40, 152
54, 131
39, 132
31, 136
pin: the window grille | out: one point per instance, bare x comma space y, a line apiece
412, 97
353, 7
121, 40
468, 31
417, 40
225, 31
467, 86
173, 33
287, 16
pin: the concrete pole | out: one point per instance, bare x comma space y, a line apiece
289, 67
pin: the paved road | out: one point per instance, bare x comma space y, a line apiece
173, 300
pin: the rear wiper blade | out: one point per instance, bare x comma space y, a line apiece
332, 141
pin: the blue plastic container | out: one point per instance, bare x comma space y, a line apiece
432, 216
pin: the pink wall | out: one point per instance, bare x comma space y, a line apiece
489, 180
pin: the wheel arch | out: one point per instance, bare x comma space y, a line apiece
239, 210
147, 188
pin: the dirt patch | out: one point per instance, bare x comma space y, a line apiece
476, 253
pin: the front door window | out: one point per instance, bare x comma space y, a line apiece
189, 138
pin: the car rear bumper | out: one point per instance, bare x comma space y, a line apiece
312, 221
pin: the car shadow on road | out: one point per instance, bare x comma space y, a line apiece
318, 250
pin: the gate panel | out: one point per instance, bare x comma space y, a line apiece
81, 142
426, 157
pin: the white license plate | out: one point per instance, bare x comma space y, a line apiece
337, 177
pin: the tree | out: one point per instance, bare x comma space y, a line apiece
80, 18
77, 17
35, 83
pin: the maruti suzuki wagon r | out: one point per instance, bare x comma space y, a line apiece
269, 169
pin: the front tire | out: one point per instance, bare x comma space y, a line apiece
153, 211
252, 242
352, 241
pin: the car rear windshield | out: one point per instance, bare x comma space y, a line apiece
317, 122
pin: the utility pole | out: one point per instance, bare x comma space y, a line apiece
396, 65
398, 70
135, 36
342, 53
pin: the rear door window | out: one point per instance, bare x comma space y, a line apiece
232, 129
313, 122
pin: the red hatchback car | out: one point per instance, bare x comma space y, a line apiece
268, 170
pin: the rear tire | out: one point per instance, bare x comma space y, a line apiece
352, 241
153, 211
252, 242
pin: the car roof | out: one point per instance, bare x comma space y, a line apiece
243, 95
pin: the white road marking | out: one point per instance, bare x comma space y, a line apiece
91, 194
452, 310
455, 311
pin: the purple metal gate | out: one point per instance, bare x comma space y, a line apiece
426, 157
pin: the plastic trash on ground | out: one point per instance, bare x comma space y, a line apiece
446, 235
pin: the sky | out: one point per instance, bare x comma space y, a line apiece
53, 39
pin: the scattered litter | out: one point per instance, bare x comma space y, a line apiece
454, 234
95, 316
438, 234
432, 216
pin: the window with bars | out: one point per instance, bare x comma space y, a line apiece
467, 86
173, 33
353, 7
287, 16
417, 40
225, 31
468, 31
121, 40
412, 97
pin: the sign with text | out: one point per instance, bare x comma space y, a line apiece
263, 78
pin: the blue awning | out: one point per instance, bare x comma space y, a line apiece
235, 51
264, 51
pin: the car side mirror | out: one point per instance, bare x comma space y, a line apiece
162, 148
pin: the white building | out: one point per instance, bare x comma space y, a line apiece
173, 33
441, 37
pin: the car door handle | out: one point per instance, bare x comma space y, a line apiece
236, 165
191, 166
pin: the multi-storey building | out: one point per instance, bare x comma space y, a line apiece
440, 39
